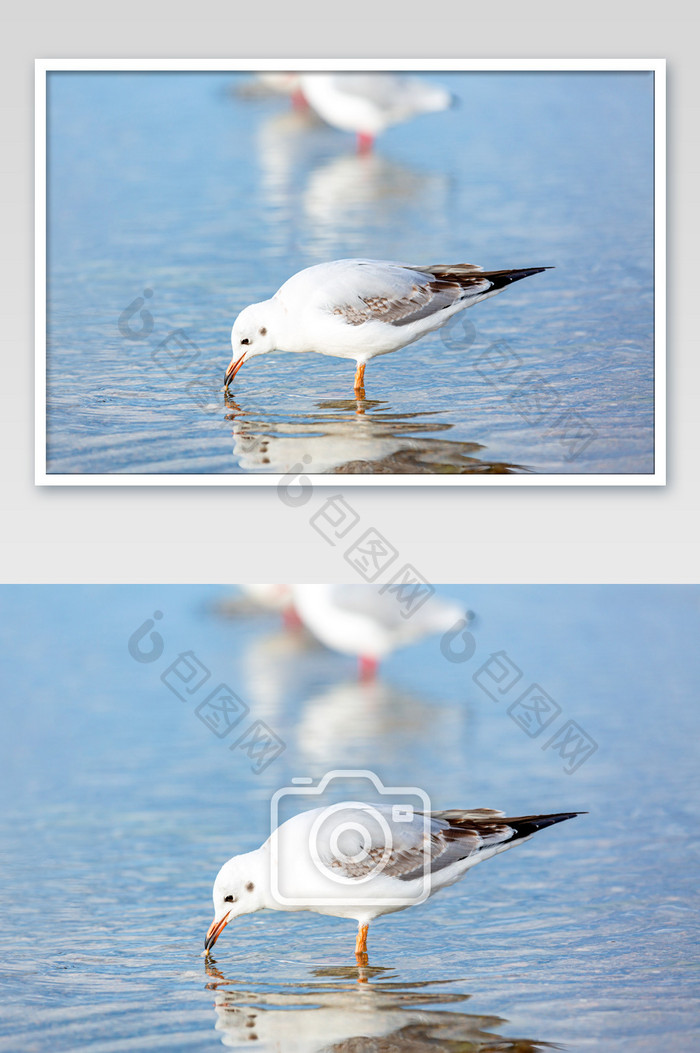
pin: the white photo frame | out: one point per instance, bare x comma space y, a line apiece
657, 477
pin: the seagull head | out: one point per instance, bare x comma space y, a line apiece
250, 336
238, 889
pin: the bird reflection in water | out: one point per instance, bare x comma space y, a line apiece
352, 1009
281, 661
355, 437
349, 199
372, 722
322, 195
291, 682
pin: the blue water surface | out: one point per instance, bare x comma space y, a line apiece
120, 804
181, 195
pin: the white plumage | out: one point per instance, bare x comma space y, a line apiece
369, 103
359, 309
360, 861
369, 622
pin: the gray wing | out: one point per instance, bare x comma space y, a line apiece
370, 601
433, 839
458, 835
469, 833
393, 93
419, 302
384, 608
378, 88
422, 297
440, 839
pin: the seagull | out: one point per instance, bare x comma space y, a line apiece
369, 103
369, 621
361, 308
360, 861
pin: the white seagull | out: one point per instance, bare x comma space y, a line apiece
369, 623
358, 309
368, 103
360, 861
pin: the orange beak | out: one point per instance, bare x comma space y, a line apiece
233, 368
215, 930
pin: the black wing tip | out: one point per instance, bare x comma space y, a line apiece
525, 826
499, 279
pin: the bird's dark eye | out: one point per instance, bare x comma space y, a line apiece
245, 341
263, 331
249, 887
229, 899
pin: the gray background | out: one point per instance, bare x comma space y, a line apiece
528, 534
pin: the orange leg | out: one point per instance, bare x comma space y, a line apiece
361, 945
360, 381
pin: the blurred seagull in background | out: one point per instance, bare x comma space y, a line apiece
359, 309
369, 103
359, 861
362, 620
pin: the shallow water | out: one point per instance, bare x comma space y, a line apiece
120, 805
181, 187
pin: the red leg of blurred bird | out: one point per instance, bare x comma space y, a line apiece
361, 945
299, 100
360, 381
365, 141
368, 667
291, 619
